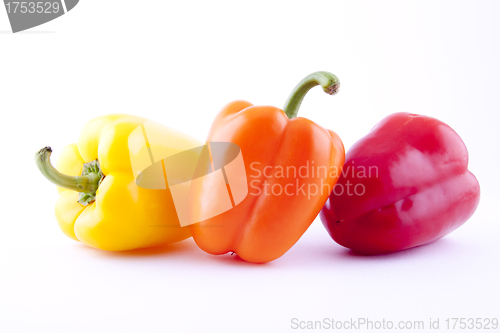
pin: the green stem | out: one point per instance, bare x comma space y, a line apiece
328, 81
87, 184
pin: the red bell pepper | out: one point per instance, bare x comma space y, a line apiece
404, 184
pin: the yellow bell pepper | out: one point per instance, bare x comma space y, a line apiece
100, 203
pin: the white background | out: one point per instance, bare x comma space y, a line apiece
178, 63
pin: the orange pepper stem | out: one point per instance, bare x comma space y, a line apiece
87, 184
328, 81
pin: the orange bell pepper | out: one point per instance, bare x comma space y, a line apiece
278, 150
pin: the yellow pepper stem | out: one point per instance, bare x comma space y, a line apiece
87, 184
328, 81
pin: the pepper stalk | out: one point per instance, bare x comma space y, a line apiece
86, 184
328, 81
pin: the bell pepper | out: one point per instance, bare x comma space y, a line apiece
281, 203
100, 204
404, 184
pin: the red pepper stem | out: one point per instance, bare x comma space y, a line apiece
87, 184
328, 81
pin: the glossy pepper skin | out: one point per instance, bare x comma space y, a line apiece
263, 227
111, 213
421, 190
